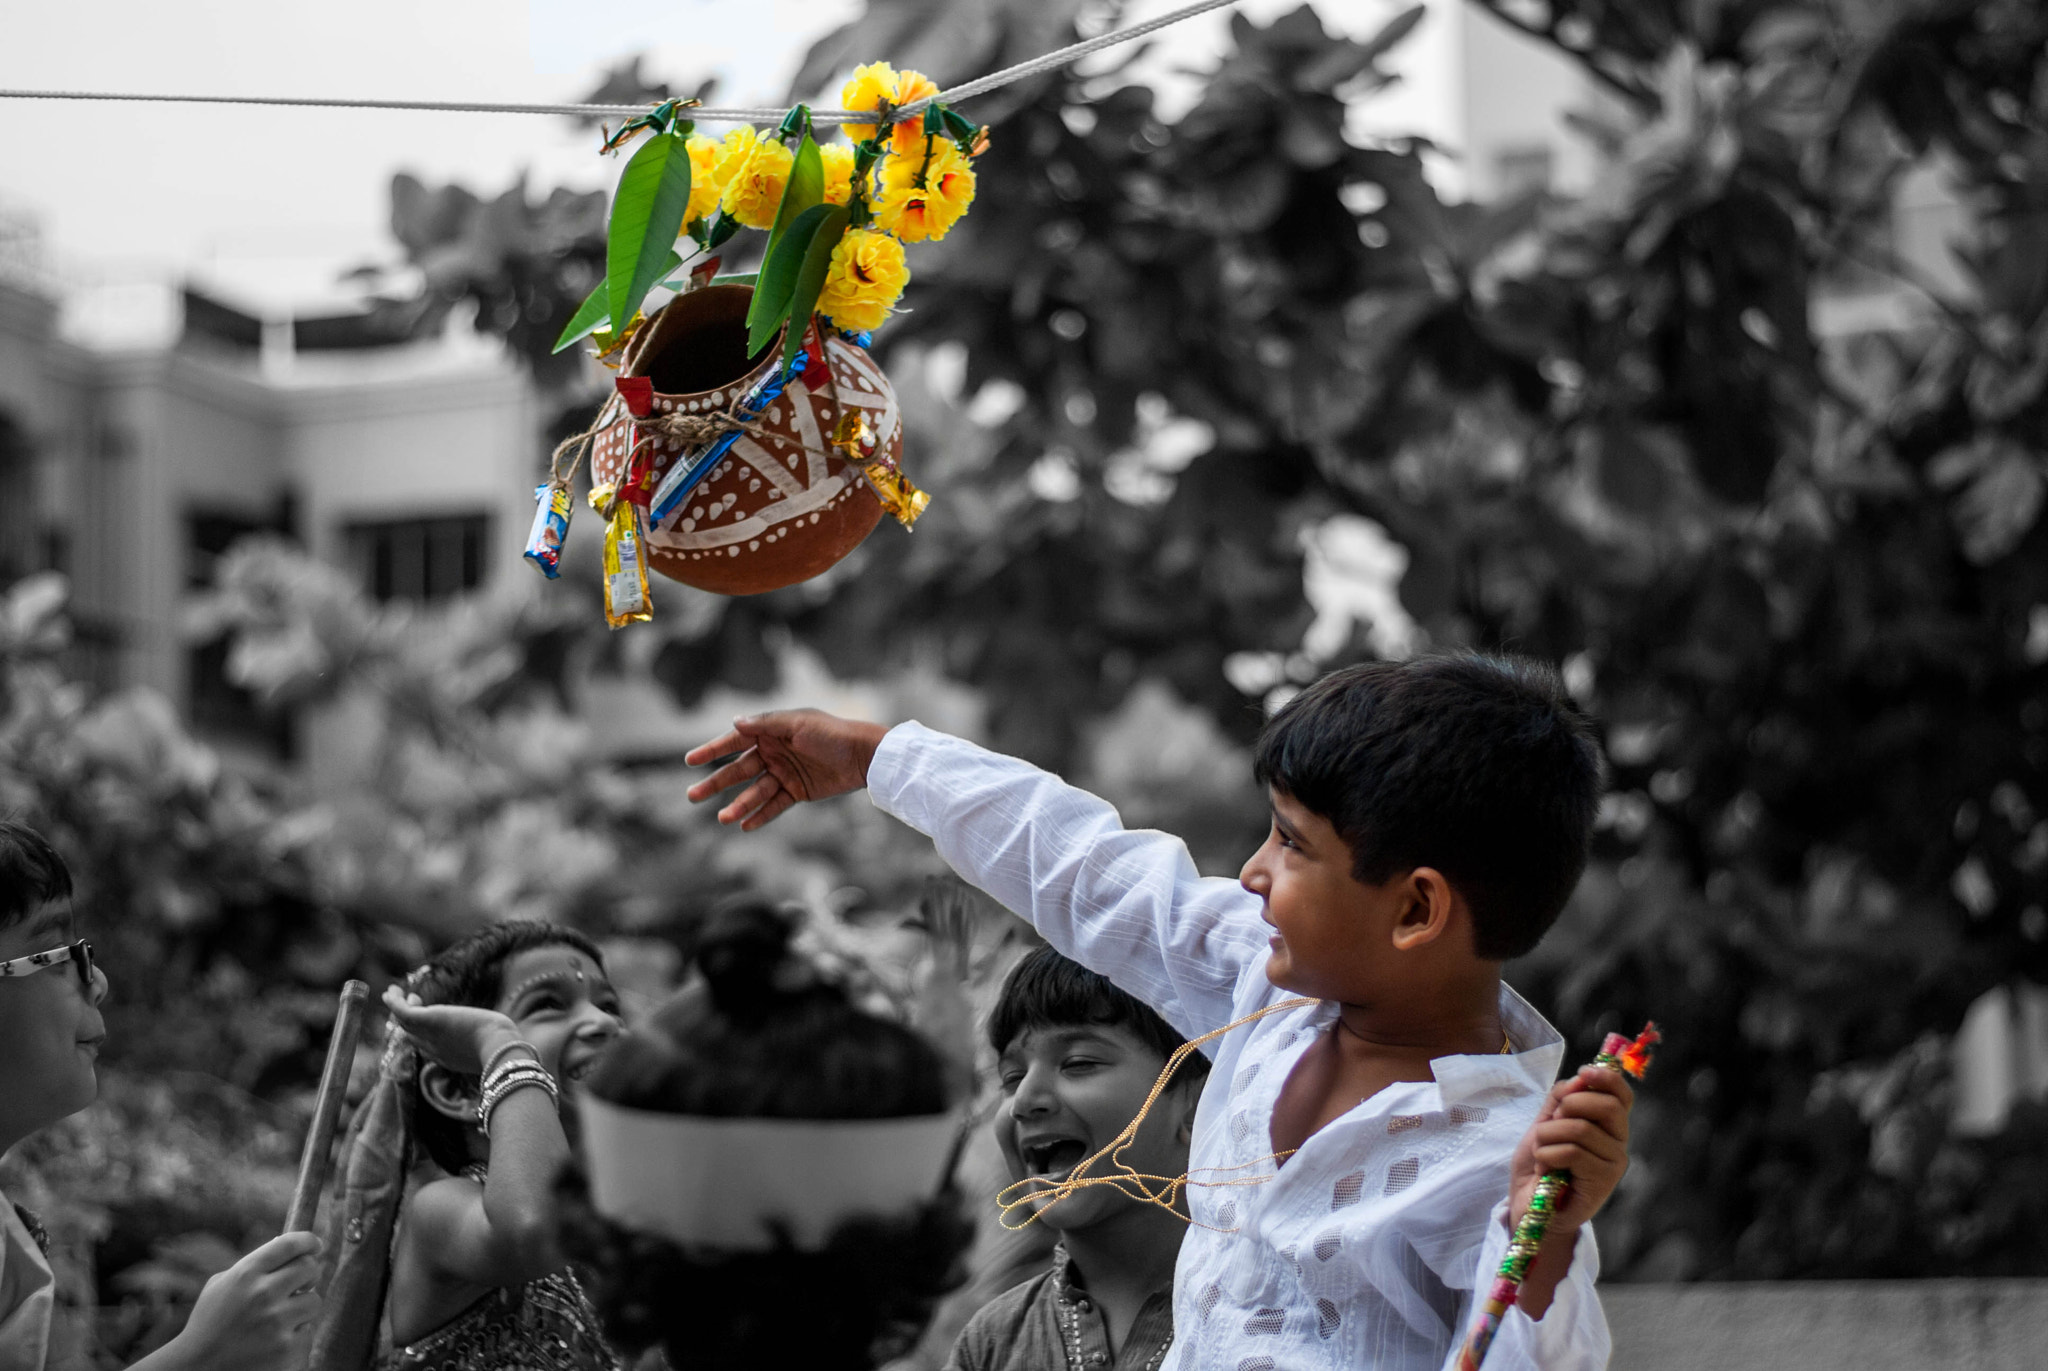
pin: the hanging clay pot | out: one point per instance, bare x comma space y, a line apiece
781, 504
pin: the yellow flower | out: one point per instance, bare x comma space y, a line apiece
705, 185
838, 160
877, 82
732, 153
866, 277
755, 191
915, 213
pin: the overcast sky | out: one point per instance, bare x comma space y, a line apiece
274, 201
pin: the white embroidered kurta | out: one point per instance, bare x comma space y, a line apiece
1365, 1249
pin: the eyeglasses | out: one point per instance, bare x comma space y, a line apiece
79, 954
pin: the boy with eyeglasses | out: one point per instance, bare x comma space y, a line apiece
255, 1316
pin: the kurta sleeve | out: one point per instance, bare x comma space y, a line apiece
1126, 903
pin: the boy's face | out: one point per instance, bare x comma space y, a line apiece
50, 1030
1325, 919
1068, 1090
563, 1005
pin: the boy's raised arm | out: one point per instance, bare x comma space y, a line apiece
1129, 904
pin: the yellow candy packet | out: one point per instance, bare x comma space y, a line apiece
626, 597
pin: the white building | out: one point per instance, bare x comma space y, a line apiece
144, 428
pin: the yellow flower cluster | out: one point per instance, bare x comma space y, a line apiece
753, 189
925, 193
876, 83
747, 171
865, 280
917, 193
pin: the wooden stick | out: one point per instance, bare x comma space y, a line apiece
341, 1055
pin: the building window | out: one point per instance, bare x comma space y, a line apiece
208, 536
18, 498
419, 559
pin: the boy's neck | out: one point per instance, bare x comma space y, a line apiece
1127, 1256
1448, 1016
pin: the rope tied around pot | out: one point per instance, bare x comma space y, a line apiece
697, 429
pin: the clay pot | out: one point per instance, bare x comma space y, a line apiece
780, 507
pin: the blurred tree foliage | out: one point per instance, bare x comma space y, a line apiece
1794, 560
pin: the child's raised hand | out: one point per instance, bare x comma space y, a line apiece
790, 755
1582, 1128
458, 1036
255, 1316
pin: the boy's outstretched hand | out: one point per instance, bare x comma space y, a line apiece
790, 755
1582, 1128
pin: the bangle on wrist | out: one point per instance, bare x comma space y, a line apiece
513, 1075
515, 1045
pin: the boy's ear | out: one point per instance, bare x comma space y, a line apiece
447, 1093
1426, 903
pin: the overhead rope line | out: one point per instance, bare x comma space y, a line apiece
1050, 61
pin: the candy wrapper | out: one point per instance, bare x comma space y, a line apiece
904, 501
550, 529
626, 598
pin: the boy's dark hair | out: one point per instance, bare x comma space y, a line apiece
1481, 767
31, 872
1048, 990
760, 1040
471, 971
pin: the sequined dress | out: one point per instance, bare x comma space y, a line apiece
544, 1325
547, 1324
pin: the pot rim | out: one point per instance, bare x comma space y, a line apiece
650, 341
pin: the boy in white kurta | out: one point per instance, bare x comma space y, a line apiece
1430, 819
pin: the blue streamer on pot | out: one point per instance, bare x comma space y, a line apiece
689, 469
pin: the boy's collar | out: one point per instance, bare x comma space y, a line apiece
1462, 1078
1539, 1051
1066, 1288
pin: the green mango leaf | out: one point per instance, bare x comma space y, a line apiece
772, 293
810, 279
805, 189
647, 214
744, 279
593, 314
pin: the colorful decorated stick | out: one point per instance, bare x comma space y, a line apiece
1617, 1053
341, 1055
